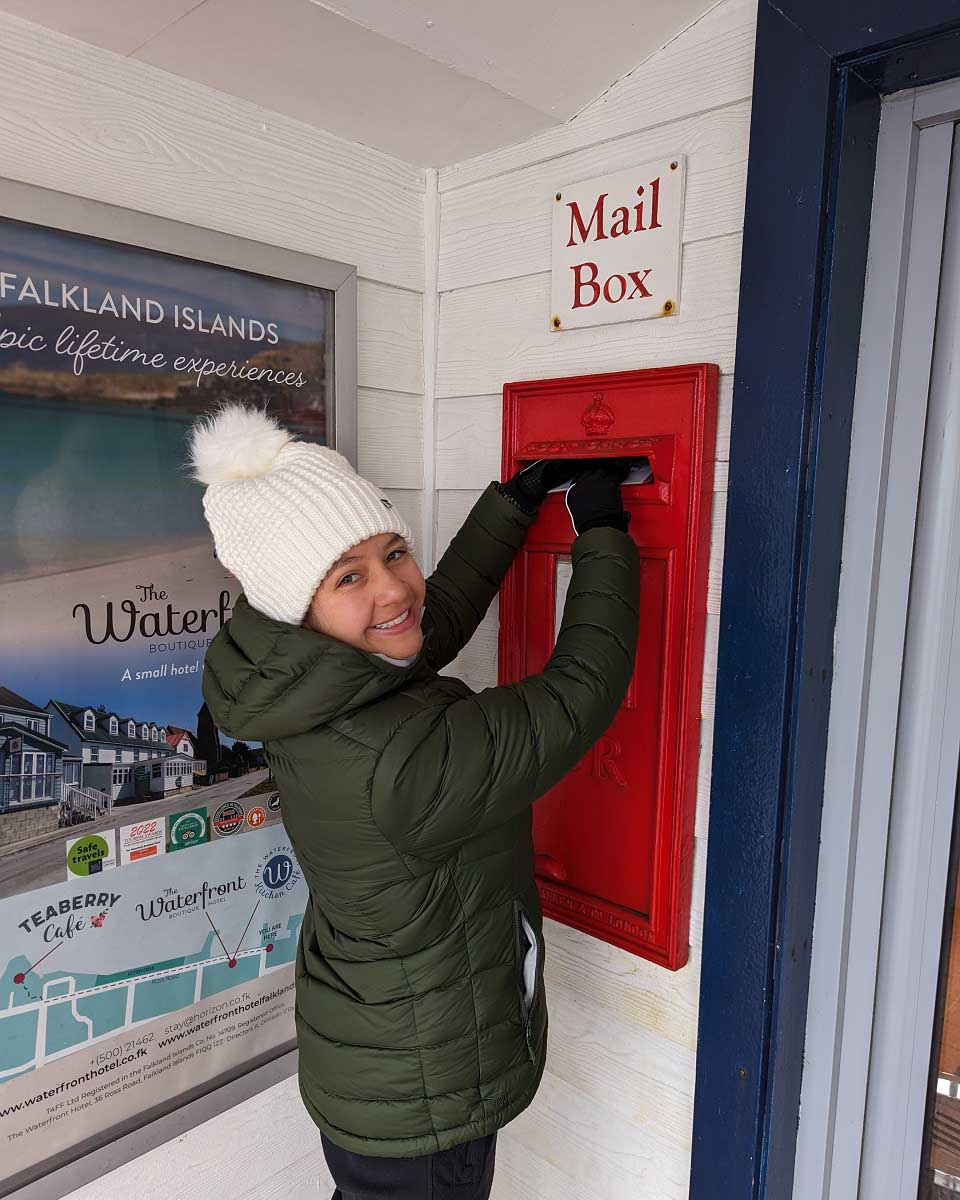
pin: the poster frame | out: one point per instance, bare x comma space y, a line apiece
129, 227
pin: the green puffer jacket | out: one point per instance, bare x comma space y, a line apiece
407, 799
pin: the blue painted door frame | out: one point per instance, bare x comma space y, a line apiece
821, 69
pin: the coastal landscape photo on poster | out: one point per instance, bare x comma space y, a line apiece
149, 899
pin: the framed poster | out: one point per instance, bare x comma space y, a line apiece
150, 902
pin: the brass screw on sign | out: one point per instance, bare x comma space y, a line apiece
556, 322
673, 166
558, 196
667, 307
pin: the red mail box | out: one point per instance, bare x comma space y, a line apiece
614, 839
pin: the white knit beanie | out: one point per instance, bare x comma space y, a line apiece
281, 511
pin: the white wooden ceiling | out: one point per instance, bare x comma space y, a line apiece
429, 81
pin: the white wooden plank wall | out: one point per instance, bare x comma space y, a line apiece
81, 120
613, 1118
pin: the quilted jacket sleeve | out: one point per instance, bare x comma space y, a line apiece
470, 573
449, 774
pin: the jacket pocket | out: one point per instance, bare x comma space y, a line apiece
526, 960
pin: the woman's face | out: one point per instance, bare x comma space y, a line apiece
371, 585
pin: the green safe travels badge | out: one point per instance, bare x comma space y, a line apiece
88, 855
186, 829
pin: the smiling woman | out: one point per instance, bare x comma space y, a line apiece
406, 796
371, 598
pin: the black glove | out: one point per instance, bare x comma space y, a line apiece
529, 487
593, 499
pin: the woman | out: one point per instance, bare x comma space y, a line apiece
420, 1012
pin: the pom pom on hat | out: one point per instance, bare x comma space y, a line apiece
281, 511
235, 443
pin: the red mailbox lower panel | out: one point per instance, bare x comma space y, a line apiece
614, 839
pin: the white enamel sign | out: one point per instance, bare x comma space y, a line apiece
616, 246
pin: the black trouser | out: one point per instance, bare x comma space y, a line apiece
463, 1172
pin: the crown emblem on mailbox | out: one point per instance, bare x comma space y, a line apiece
597, 417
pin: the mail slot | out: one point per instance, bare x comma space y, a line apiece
614, 839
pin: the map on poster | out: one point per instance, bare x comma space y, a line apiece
98, 957
114, 986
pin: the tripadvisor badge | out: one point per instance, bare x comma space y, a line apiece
185, 829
